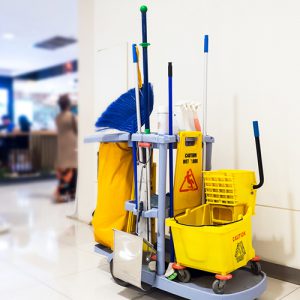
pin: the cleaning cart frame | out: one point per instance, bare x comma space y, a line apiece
230, 225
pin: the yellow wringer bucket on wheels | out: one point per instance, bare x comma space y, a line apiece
216, 237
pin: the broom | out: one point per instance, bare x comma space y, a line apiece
121, 113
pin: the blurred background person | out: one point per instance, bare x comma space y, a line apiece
7, 124
24, 124
66, 124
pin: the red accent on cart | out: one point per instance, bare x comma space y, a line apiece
189, 182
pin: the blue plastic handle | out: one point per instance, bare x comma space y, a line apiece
134, 55
255, 128
206, 43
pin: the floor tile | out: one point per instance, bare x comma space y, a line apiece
52, 262
49, 256
39, 292
97, 284
293, 296
12, 279
277, 289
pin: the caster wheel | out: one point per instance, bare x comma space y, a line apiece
184, 275
218, 286
255, 267
117, 280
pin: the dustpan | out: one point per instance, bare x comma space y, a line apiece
130, 253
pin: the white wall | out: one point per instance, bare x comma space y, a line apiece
254, 66
87, 161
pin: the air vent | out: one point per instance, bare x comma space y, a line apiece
55, 43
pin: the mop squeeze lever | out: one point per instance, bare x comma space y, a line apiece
259, 158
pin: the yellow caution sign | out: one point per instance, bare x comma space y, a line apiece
188, 171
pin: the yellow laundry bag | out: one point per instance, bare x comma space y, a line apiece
115, 183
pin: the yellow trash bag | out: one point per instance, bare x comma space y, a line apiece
115, 184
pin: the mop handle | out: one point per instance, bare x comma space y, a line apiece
137, 98
170, 75
135, 176
170, 86
205, 85
205, 101
204, 113
259, 158
145, 45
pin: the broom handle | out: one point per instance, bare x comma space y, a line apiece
138, 118
145, 45
137, 96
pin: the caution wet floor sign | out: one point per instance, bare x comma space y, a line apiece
189, 183
188, 172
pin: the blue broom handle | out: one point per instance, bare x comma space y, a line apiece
145, 45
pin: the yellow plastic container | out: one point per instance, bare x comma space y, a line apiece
200, 244
230, 187
188, 171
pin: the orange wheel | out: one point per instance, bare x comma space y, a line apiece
223, 277
176, 266
153, 257
256, 258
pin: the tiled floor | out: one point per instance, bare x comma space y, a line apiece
49, 256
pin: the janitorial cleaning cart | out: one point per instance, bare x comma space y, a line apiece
194, 241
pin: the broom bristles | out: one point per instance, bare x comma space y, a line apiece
121, 113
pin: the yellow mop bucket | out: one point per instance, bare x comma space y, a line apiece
201, 243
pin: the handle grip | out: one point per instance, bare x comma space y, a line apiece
143, 9
134, 54
255, 128
206, 43
170, 69
259, 158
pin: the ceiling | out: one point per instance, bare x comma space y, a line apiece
32, 21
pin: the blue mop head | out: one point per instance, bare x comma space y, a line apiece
121, 114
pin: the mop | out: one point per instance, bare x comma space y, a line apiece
204, 129
170, 272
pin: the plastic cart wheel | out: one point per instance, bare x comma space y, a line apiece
218, 286
184, 275
117, 280
255, 267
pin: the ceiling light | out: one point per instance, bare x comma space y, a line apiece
8, 36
